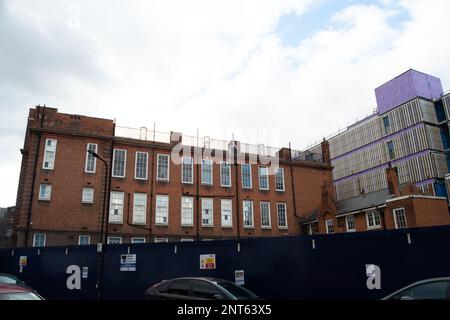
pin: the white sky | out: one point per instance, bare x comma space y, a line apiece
220, 66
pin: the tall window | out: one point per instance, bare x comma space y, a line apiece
39, 240
263, 178
45, 192
207, 212
91, 161
187, 170
119, 163
163, 167
225, 174
141, 165
227, 209
350, 223
162, 209
139, 208
248, 213
373, 220
88, 195
390, 146
49, 155
400, 218
84, 240
116, 207
279, 179
207, 175
330, 226
246, 171
187, 211
282, 216
387, 125
265, 215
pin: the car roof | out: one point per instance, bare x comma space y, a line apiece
12, 288
417, 283
7, 275
210, 279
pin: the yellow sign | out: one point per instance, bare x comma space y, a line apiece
207, 261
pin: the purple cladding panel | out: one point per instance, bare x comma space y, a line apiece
406, 87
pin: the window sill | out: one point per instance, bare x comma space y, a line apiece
187, 225
374, 228
140, 179
139, 223
190, 183
115, 222
250, 228
207, 184
161, 224
225, 186
44, 200
227, 227
89, 172
280, 190
266, 228
84, 202
162, 180
118, 177
210, 227
283, 228
264, 189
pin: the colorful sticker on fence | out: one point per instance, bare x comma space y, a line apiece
23, 261
127, 262
207, 261
239, 277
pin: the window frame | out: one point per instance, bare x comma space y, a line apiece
134, 221
83, 199
114, 237
133, 239
261, 214
374, 227
260, 176
252, 226
347, 224
212, 172
113, 221
191, 224
242, 176
166, 196
157, 167
160, 240
136, 165
44, 238
124, 164
394, 212
49, 194
45, 154
183, 169
285, 215
88, 155
229, 174
84, 235
391, 155
328, 226
211, 224
282, 178
230, 225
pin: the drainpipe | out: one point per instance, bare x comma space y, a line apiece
151, 195
237, 191
292, 180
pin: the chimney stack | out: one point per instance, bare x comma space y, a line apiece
392, 180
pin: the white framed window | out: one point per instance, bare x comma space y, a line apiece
91, 161
141, 166
140, 208
45, 192
162, 167
400, 218
225, 174
39, 240
373, 220
279, 179
350, 223
88, 195
114, 240
84, 240
187, 211
138, 240
119, 163
247, 210
49, 154
186, 239
162, 209
282, 216
116, 207
265, 215
207, 212
207, 172
187, 170
226, 206
263, 178
246, 175
330, 226
158, 240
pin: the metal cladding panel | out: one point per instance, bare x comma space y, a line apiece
405, 87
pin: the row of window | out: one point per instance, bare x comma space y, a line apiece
163, 165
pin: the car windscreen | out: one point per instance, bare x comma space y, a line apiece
6, 279
19, 296
237, 291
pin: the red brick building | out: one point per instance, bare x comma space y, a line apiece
207, 194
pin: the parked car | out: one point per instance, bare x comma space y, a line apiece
9, 278
430, 289
17, 292
198, 289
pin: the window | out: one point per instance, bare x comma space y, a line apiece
225, 174
49, 155
114, 240
84, 240
282, 218
186, 239
248, 213
207, 212
162, 167
187, 211
39, 240
279, 179
373, 220
137, 240
226, 206
90, 159
390, 146
204, 290
141, 166
330, 226
45, 192
158, 240
162, 209
179, 287
207, 175
265, 215
116, 207
140, 208
88, 195
400, 218
387, 125
428, 291
263, 178
350, 223
246, 172
119, 163
187, 170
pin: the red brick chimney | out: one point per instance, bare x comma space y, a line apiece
392, 180
326, 157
